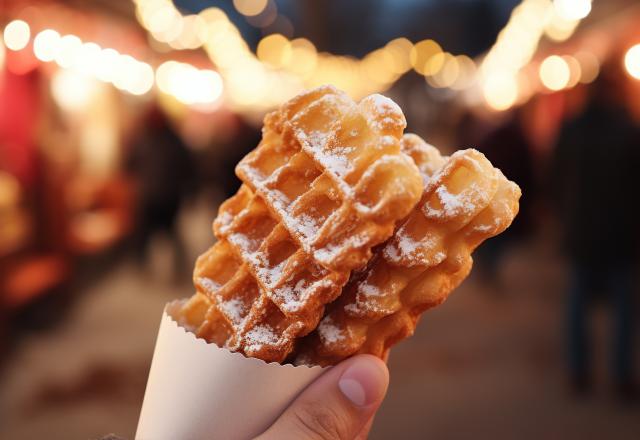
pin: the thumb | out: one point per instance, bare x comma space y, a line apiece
337, 405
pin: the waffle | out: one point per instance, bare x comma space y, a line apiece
464, 203
326, 184
425, 156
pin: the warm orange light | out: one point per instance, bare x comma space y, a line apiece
421, 54
250, 7
274, 49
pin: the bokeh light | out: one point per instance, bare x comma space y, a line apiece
554, 73
572, 9
68, 51
189, 85
589, 66
46, 45
274, 49
500, 91
421, 54
72, 90
400, 51
559, 28
250, 7
575, 71
632, 61
16, 35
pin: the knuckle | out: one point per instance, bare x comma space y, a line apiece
321, 422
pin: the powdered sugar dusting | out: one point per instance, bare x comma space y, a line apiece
259, 336
329, 332
453, 204
234, 309
330, 251
386, 113
402, 248
224, 220
208, 284
306, 226
288, 298
369, 290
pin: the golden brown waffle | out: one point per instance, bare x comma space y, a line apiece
426, 156
464, 203
326, 184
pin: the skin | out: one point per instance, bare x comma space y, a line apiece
339, 405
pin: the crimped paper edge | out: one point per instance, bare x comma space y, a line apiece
168, 312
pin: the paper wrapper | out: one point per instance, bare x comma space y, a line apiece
197, 390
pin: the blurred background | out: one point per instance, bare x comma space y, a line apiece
121, 122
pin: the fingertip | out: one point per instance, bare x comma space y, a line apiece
364, 380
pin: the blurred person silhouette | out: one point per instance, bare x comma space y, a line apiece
593, 181
164, 170
508, 148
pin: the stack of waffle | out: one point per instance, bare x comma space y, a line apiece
343, 232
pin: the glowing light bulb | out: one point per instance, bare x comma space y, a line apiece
17, 35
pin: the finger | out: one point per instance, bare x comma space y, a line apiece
337, 405
364, 432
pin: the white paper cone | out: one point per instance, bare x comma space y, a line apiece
200, 391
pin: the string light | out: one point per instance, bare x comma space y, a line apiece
16, 35
632, 61
282, 67
81, 60
274, 74
518, 42
276, 71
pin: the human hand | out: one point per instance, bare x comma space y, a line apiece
339, 405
